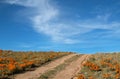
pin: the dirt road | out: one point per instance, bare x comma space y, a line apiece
37, 73
72, 69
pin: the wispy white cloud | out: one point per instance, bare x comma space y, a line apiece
104, 17
44, 21
44, 14
27, 3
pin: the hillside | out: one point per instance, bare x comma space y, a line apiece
58, 65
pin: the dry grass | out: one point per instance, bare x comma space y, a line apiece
101, 66
15, 62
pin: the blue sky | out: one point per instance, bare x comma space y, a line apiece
83, 26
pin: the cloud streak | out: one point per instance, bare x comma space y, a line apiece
45, 17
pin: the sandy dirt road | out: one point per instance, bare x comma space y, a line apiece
71, 69
39, 71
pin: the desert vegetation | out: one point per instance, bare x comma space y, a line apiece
95, 66
101, 66
16, 62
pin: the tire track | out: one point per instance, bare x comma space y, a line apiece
39, 71
72, 69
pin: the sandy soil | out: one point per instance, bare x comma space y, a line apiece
37, 73
72, 69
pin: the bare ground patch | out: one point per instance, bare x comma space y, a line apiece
72, 69
39, 71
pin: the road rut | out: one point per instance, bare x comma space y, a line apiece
72, 69
39, 71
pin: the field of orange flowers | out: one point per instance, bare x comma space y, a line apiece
101, 66
16, 62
